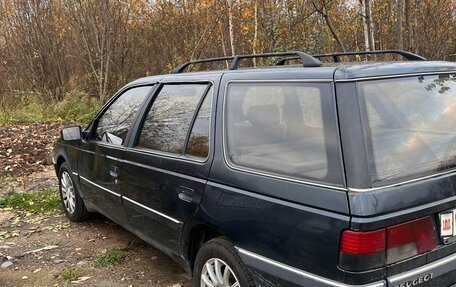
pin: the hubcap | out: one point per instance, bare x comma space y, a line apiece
67, 190
217, 273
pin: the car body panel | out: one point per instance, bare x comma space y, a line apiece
97, 163
163, 190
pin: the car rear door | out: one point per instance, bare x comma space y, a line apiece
102, 152
167, 164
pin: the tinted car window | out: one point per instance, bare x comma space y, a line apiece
114, 124
198, 142
166, 125
279, 128
411, 123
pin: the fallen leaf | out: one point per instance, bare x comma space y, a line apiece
81, 279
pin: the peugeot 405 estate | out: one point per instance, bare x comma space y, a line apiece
294, 174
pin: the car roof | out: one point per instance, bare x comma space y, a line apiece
357, 70
343, 71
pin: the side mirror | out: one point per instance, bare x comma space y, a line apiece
71, 133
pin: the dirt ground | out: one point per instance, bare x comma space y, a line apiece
74, 245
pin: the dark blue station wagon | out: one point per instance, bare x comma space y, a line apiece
310, 175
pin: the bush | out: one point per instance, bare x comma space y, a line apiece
23, 108
76, 107
26, 108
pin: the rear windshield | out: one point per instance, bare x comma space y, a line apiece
410, 125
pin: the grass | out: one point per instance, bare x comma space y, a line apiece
26, 108
71, 273
43, 201
110, 259
56, 242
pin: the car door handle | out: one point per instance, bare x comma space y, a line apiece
186, 194
113, 172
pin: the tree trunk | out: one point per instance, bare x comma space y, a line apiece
370, 26
255, 34
230, 25
400, 40
408, 20
365, 25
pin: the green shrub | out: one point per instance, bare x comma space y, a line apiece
26, 108
76, 107
23, 108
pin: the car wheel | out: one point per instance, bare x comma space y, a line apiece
218, 264
72, 203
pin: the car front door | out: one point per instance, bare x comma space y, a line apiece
102, 152
168, 163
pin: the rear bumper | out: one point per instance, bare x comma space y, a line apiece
440, 273
293, 275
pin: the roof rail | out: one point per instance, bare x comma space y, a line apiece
407, 55
182, 67
306, 59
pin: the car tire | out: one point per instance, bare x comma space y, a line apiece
217, 258
72, 203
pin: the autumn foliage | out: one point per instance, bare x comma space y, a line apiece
95, 46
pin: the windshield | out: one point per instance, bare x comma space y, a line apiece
410, 125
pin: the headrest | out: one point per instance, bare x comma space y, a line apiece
264, 115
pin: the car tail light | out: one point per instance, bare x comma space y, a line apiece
409, 239
364, 250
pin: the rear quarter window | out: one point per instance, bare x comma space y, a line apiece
284, 129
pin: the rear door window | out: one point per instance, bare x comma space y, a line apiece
283, 128
114, 124
168, 120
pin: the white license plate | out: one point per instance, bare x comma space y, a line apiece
447, 222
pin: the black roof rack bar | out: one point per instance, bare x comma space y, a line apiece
306, 59
182, 67
407, 55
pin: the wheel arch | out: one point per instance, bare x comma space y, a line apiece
60, 160
196, 236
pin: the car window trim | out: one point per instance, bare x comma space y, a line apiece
342, 186
167, 155
133, 146
138, 119
195, 115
